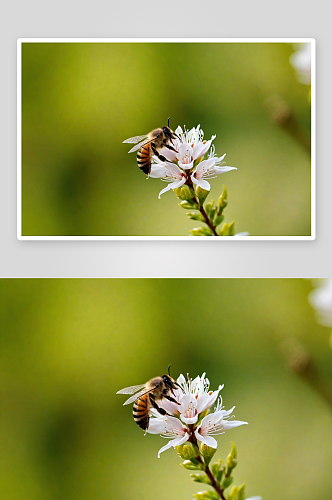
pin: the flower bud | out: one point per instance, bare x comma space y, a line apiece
188, 204
231, 461
222, 202
201, 231
201, 193
207, 452
211, 209
217, 468
186, 451
237, 493
196, 216
200, 478
190, 465
183, 193
206, 495
201, 495
227, 229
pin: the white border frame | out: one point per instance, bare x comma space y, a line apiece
312, 41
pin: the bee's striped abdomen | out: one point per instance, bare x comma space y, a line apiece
141, 411
144, 158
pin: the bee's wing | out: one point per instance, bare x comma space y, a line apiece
138, 146
135, 139
136, 396
131, 389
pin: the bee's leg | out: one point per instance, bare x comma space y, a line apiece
160, 410
170, 147
161, 157
170, 399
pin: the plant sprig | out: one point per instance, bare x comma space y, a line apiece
218, 476
211, 214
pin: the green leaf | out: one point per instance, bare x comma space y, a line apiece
201, 194
218, 219
231, 228
207, 452
189, 205
207, 495
200, 478
188, 464
231, 461
195, 216
219, 475
226, 229
222, 202
211, 209
201, 231
218, 470
184, 192
237, 493
227, 481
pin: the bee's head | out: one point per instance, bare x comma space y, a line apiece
169, 132
170, 383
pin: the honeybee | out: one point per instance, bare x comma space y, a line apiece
149, 145
153, 390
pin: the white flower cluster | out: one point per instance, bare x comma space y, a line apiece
189, 419
187, 165
301, 62
321, 301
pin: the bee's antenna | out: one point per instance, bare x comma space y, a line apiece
169, 366
168, 121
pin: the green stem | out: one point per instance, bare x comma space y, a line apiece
208, 221
206, 469
197, 202
209, 474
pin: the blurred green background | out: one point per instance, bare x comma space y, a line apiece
81, 100
67, 346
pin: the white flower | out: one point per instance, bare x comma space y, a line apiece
187, 163
321, 300
169, 427
191, 419
193, 398
215, 423
189, 147
168, 172
208, 169
301, 62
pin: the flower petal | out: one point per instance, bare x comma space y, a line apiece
221, 170
157, 171
206, 400
201, 148
201, 183
209, 421
189, 420
174, 442
173, 185
167, 188
229, 424
156, 426
208, 440
186, 166
181, 380
169, 406
169, 154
